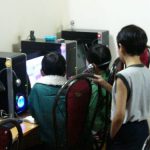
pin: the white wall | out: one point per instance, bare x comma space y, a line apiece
111, 15
18, 17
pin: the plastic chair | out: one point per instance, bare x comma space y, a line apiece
146, 145
6, 141
78, 135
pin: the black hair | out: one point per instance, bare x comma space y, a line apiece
133, 39
54, 64
99, 55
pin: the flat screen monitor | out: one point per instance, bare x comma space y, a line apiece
34, 69
34, 66
75, 55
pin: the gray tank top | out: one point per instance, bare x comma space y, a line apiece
137, 80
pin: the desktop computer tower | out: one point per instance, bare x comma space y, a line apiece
75, 57
14, 83
87, 37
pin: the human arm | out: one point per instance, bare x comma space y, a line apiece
100, 80
121, 100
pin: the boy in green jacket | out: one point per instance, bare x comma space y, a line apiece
43, 94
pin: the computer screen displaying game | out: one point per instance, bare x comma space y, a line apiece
34, 69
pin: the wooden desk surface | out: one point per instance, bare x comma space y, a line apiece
26, 129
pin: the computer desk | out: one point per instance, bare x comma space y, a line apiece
30, 135
26, 129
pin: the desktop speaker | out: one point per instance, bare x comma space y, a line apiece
14, 81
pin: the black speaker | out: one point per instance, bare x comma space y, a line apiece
14, 83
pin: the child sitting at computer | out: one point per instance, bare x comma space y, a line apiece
43, 93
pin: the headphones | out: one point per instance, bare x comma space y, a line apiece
17, 81
103, 64
90, 67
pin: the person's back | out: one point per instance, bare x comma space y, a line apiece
138, 82
43, 93
99, 56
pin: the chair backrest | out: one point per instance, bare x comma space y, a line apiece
6, 141
146, 145
5, 138
78, 96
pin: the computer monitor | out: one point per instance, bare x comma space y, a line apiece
35, 50
34, 69
86, 36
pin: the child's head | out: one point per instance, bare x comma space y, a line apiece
99, 55
133, 39
53, 64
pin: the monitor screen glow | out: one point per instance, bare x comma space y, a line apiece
63, 50
34, 69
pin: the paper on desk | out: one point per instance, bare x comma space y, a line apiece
29, 119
